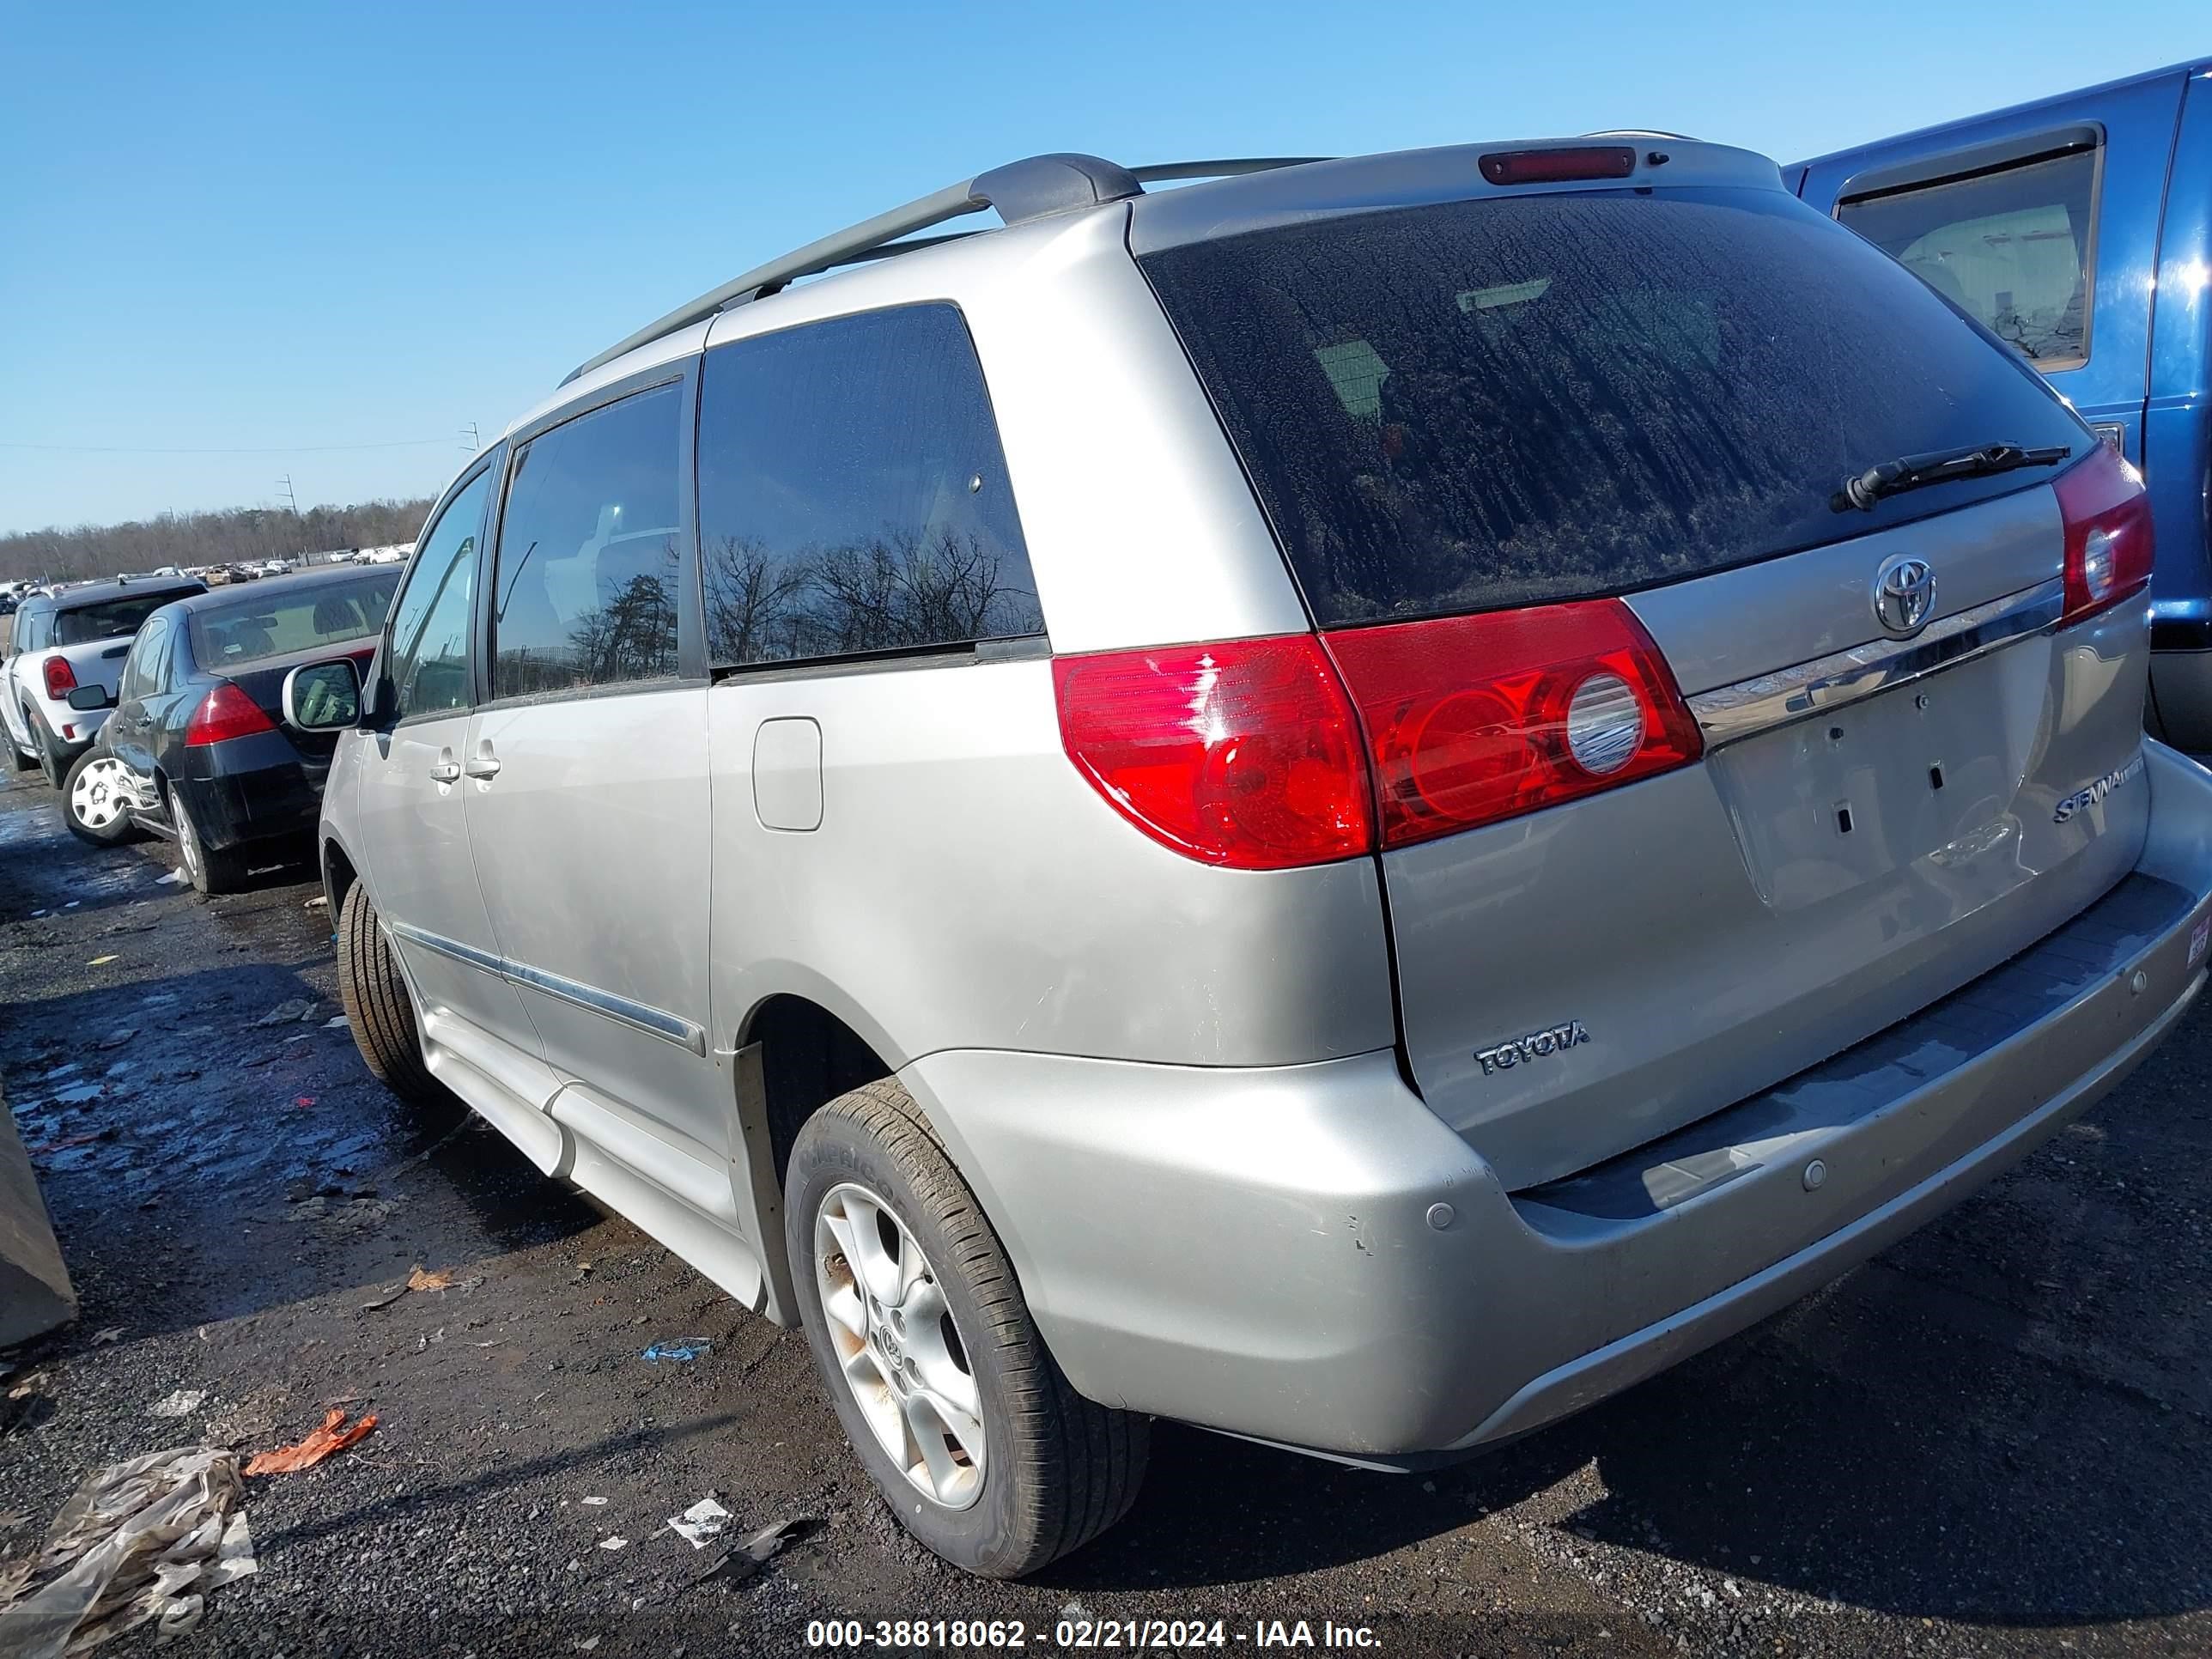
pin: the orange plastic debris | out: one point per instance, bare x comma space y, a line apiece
288, 1459
419, 1281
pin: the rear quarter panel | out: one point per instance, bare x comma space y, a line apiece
966, 889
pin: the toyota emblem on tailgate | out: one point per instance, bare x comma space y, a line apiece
1904, 594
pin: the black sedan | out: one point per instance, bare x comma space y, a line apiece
199, 750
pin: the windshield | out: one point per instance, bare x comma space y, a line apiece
111, 619
1509, 401
271, 621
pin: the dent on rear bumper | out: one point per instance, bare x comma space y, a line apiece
1263, 1250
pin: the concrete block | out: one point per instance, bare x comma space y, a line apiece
36, 1294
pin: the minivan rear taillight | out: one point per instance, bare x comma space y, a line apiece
2108, 532
61, 679
225, 713
1243, 754
1248, 753
1473, 719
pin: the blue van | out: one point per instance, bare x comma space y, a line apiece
2079, 230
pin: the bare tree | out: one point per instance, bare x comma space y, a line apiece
892, 590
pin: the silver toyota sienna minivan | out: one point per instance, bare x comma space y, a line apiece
1356, 803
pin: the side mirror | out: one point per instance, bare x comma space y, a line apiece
85, 698
323, 696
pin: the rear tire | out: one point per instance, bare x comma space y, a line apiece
24, 759
378, 1007
1056, 1469
49, 761
92, 804
209, 871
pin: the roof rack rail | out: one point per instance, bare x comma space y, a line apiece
1232, 167
1020, 191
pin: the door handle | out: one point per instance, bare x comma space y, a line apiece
484, 766
445, 771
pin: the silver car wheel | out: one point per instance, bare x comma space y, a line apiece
897, 1344
97, 799
188, 840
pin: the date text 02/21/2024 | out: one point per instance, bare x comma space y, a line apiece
1006, 1635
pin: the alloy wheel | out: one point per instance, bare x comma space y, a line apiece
188, 840
97, 796
898, 1347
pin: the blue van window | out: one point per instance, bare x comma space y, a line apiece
2013, 248
1468, 405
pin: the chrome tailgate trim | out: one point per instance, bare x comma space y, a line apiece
1729, 713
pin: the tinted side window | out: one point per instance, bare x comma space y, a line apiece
585, 592
141, 674
426, 660
852, 494
2013, 248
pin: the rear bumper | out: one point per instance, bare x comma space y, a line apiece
84, 723
1306, 1255
254, 788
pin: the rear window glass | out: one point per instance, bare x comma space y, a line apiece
275, 622
111, 619
1506, 402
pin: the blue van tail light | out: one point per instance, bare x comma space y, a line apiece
2108, 547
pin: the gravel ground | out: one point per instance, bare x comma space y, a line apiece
1993, 1440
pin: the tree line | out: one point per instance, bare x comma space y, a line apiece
198, 539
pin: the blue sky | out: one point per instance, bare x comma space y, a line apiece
310, 229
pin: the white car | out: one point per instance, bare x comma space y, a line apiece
65, 661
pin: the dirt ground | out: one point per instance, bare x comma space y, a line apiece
1992, 1440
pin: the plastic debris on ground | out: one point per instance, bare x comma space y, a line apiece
753, 1551
702, 1524
106, 1334
144, 1540
172, 879
614, 1543
182, 1403
685, 1347
419, 1281
100, 962
595, 1502
332, 1437
338, 1023
289, 1012
318, 903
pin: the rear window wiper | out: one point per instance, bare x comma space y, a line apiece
1864, 489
